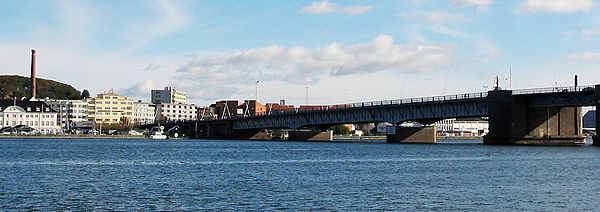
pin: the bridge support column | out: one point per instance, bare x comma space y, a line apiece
224, 130
513, 122
416, 135
597, 103
310, 135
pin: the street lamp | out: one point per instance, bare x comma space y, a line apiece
256, 91
306, 93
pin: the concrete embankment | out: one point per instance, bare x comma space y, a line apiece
383, 137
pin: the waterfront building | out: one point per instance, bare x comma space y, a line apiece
274, 108
68, 111
226, 108
177, 112
168, 96
144, 112
110, 108
462, 127
251, 107
34, 114
206, 113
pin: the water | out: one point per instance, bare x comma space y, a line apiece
51, 175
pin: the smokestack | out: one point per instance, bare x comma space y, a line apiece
33, 85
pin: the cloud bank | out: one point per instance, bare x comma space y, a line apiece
328, 7
482, 5
556, 6
587, 56
301, 65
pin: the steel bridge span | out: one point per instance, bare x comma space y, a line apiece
528, 116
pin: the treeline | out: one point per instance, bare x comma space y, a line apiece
18, 86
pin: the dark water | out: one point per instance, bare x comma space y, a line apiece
244, 175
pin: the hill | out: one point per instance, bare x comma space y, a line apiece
18, 86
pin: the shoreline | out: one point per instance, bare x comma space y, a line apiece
367, 138
383, 137
73, 136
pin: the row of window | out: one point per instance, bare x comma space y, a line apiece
175, 111
179, 106
116, 108
29, 116
32, 123
114, 103
114, 114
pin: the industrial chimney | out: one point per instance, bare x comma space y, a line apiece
33, 85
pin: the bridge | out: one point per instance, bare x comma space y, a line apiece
544, 116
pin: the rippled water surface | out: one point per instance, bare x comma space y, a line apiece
253, 175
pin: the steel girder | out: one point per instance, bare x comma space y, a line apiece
561, 99
397, 113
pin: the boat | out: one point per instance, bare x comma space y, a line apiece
157, 133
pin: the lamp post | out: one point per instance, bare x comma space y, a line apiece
256, 91
306, 93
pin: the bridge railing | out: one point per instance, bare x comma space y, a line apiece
307, 109
553, 90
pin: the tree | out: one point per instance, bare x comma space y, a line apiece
340, 130
85, 94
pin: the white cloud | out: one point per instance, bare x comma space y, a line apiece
441, 16
591, 32
587, 56
301, 65
559, 6
487, 47
140, 90
328, 7
151, 67
482, 5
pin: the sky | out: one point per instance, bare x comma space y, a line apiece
334, 51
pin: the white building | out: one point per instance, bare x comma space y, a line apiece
144, 112
463, 127
445, 125
177, 112
471, 127
168, 96
68, 111
34, 114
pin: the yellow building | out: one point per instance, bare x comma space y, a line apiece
110, 108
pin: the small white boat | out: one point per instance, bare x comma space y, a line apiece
158, 135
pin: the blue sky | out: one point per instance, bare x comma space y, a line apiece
344, 51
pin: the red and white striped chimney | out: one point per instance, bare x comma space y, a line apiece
33, 85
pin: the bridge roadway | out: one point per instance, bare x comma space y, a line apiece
425, 110
543, 116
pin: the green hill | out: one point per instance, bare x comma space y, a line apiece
18, 86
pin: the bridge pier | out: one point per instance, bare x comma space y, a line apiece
596, 137
224, 130
513, 122
310, 135
414, 135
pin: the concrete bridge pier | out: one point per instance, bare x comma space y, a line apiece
597, 104
513, 122
298, 135
224, 130
414, 135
